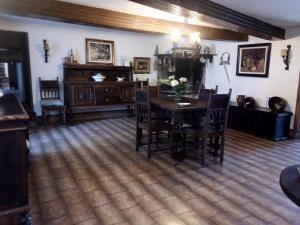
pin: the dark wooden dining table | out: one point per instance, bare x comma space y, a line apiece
167, 106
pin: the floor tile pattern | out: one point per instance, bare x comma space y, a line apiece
90, 174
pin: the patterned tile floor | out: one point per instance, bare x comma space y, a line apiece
89, 174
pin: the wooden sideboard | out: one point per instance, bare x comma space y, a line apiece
260, 121
13, 158
83, 94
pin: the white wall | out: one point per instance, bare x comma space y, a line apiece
281, 82
63, 37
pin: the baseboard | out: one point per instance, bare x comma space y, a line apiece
85, 116
294, 134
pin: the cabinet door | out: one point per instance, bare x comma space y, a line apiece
127, 93
106, 94
82, 95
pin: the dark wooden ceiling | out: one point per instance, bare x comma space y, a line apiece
79, 14
210, 12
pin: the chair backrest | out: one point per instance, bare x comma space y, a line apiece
141, 84
204, 93
154, 90
219, 110
142, 105
49, 89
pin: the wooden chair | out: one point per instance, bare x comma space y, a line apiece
50, 99
144, 121
214, 124
203, 93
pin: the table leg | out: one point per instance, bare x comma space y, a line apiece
178, 153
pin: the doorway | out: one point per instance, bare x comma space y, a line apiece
15, 72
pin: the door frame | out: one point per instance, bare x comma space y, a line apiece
19, 40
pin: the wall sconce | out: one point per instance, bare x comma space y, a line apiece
285, 54
46, 49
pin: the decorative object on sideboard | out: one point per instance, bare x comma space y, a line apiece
225, 61
123, 60
71, 58
120, 79
100, 51
253, 60
98, 77
240, 100
46, 49
141, 65
277, 104
285, 54
249, 103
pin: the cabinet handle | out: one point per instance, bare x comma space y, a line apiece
106, 89
106, 99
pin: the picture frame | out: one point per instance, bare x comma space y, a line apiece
100, 51
253, 60
141, 65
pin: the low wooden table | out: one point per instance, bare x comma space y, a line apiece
167, 106
290, 183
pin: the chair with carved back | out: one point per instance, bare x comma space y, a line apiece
51, 99
144, 121
203, 93
214, 125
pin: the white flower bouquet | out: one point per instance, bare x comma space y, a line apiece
178, 85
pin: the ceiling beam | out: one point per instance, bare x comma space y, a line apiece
210, 12
85, 15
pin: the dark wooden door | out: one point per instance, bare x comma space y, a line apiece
82, 95
15, 50
106, 94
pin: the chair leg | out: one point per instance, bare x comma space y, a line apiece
204, 148
64, 116
44, 117
149, 143
137, 139
222, 148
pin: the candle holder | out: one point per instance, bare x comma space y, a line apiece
46, 49
285, 54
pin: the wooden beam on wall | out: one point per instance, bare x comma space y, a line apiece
210, 12
85, 15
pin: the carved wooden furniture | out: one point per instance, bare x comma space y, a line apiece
13, 157
214, 124
83, 94
260, 121
50, 99
144, 121
203, 93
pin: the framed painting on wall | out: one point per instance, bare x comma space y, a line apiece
99, 51
253, 60
141, 65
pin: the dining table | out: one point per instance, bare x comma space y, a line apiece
185, 111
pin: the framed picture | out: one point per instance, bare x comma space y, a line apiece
141, 65
253, 60
99, 51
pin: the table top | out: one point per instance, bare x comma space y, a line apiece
11, 108
169, 103
290, 183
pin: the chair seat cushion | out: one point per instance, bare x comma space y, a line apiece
51, 102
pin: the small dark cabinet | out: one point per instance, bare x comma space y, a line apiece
13, 157
260, 121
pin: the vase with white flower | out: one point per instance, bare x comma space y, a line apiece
179, 85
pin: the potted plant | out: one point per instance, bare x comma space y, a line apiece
178, 85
